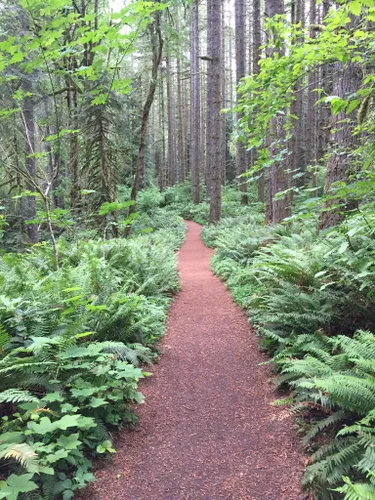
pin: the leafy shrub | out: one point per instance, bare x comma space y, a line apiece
69, 394
61, 395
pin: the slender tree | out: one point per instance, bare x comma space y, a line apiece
157, 50
299, 145
214, 101
277, 180
181, 124
195, 104
28, 118
241, 154
311, 121
256, 53
224, 97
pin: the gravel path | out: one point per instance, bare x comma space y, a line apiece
206, 430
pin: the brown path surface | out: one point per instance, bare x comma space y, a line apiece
206, 429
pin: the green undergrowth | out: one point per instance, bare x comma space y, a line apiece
73, 342
177, 199
311, 300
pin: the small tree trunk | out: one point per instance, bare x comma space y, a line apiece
29, 203
163, 163
157, 50
195, 103
311, 109
257, 42
181, 120
241, 154
172, 160
224, 97
299, 156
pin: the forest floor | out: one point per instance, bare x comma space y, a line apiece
207, 430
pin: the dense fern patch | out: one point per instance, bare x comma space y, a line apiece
310, 298
71, 343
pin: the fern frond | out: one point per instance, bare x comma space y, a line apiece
357, 491
23, 454
17, 396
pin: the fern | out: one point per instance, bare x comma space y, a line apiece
23, 454
357, 491
17, 396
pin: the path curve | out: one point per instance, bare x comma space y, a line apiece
206, 430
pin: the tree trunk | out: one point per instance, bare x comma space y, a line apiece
214, 100
181, 129
163, 163
241, 154
195, 103
157, 50
257, 42
73, 149
346, 82
172, 159
299, 153
323, 116
223, 104
29, 203
311, 99
277, 209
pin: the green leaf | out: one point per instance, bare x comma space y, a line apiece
355, 7
70, 442
17, 484
97, 402
352, 106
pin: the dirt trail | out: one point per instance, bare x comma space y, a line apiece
206, 430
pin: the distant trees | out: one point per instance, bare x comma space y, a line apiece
89, 104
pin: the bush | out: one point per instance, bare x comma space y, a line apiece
69, 394
310, 297
60, 393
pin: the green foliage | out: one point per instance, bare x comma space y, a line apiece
71, 343
75, 392
118, 288
270, 92
310, 297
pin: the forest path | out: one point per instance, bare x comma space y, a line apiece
206, 430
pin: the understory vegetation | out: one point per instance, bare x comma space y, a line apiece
310, 298
73, 343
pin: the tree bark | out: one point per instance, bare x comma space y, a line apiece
256, 53
277, 178
223, 105
241, 154
311, 121
163, 163
172, 159
347, 81
214, 100
195, 103
298, 143
181, 124
323, 112
29, 203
